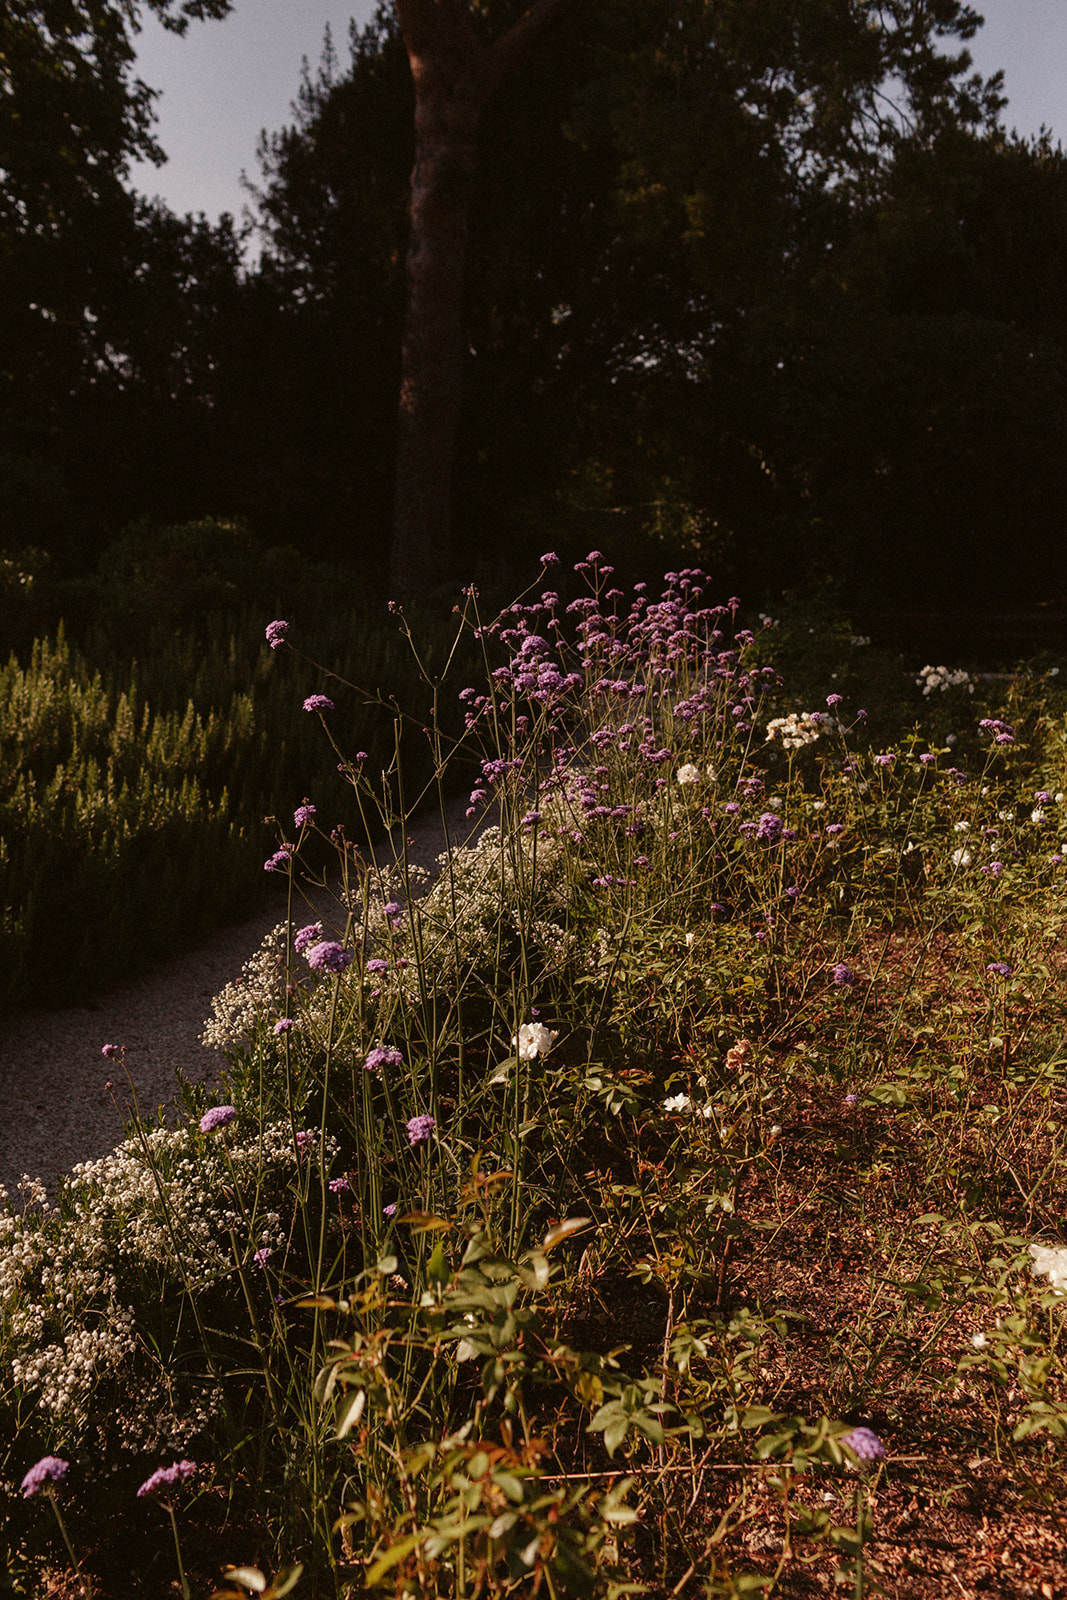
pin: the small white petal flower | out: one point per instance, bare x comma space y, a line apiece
688, 774
1050, 1262
676, 1102
961, 827
961, 858
533, 1039
979, 1341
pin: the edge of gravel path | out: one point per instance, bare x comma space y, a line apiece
55, 1107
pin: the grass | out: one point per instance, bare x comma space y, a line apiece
566, 1216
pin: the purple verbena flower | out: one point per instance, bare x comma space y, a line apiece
276, 633
261, 1257
834, 699
389, 1211
111, 1051
280, 861
305, 1139
851, 1099
844, 977
376, 966
382, 1056
328, 957
999, 969
318, 702
167, 1478
303, 814
216, 1117
49, 1470
863, 1442
284, 1025
420, 1129
769, 827
340, 1186
394, 911
305, 936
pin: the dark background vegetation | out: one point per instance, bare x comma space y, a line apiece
734, 296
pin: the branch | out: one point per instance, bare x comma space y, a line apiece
511, 49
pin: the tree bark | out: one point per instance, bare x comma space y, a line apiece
454, 75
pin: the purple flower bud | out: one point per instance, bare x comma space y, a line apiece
420, 1129
318, 702
844, 977
865, 1444
49, 1470
328, 957
284, 1025
276, 633
167, 1478
112, 1052
382, 1056
303, 814
305, 936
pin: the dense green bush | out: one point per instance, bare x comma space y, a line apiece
143, 766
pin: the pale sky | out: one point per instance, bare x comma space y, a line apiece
225, 81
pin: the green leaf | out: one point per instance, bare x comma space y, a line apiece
391, 1558
350, 1413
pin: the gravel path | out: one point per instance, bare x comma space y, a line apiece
55, 1106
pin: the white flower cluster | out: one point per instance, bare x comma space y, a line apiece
942, 678
1051, 1263
161, 1209
533, 1039
796, 730
257, 993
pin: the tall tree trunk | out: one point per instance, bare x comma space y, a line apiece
454, 75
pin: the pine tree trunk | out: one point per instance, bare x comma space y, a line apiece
454, 75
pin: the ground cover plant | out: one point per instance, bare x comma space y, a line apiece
664, 1197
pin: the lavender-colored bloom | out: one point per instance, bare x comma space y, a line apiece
834, 699
261, 1257
305, 936
851, 1099
340, 1186
276, 633
1043, 797
793, 891
284, 1025
999, 969
550, 559
167, 1478
420, 1129
769, 827
303, 814
844, 977
389, 1211
49, 1470
377, 966
382, 1056
328, 957
111, 1051
884, 760
305, 1139
863, 1442
394, 911
216, 1117
318, 702
280, 861
927, 758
